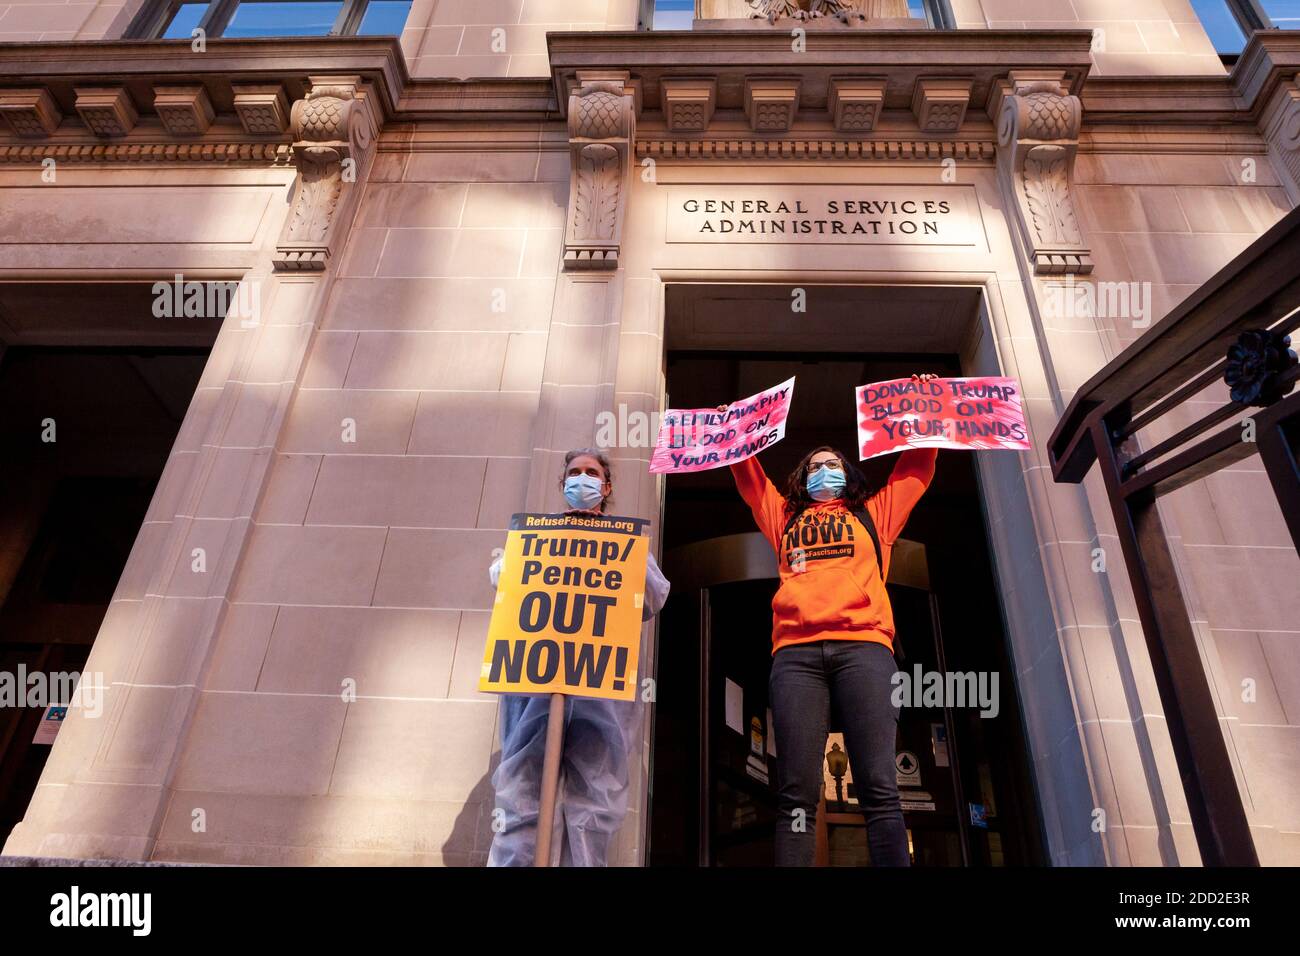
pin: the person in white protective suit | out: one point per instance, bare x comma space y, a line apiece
600, 736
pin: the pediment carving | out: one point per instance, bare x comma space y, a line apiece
784, 12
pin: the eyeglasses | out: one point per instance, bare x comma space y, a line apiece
834, 464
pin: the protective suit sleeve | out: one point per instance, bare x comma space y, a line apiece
656, 588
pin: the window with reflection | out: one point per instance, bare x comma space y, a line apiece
178, 20
1282, 14
1221, 25
1228, 23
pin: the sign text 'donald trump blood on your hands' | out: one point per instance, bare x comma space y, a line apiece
567, 617
963, 413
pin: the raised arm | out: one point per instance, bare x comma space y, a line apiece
907, 482
765, 502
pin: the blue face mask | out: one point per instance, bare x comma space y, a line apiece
583, 491
825, 484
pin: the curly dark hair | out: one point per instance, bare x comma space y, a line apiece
856, 488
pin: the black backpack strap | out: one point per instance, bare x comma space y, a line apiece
865, 517
794, 516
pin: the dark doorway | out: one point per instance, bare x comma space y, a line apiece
70, 510
712, 774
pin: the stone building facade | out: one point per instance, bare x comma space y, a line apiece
464, 244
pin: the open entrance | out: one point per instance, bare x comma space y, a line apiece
964, 778
85, 431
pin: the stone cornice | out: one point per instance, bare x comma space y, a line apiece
774, 46
859, 93
1270, 59
259, 154
914, 63
134, 101
138, 64
1147, 99
497, 98
814, 148
904, 57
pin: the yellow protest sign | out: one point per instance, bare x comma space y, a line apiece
567, 617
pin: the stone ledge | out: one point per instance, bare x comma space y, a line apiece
66, 862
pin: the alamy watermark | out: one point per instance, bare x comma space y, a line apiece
1071, 298
21, 688
180, 299
922, 688
76, 907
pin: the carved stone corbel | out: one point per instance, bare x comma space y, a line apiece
602, 125
1280, 124
939, 105
333, 127
688, 103
854, 103
1038, 136
106, 110
30, 113
262, 108
184, 110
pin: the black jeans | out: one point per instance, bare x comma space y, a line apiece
807, 681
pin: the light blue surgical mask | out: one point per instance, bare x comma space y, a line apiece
826, 483
583, 491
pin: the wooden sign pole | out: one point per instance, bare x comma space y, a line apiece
550, 780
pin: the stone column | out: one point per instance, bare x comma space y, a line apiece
582, 344
583, 341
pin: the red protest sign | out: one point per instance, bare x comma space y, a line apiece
963, 413
697, 439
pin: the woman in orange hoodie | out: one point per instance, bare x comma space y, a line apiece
832, 636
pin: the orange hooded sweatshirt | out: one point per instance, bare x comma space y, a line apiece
835, 591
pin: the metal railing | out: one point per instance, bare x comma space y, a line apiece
1235, 328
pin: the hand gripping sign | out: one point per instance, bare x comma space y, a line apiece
963, 413
567, 618
697, 439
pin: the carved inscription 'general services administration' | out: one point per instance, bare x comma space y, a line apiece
941, 216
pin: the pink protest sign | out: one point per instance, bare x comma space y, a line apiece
964, 413
697, 439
